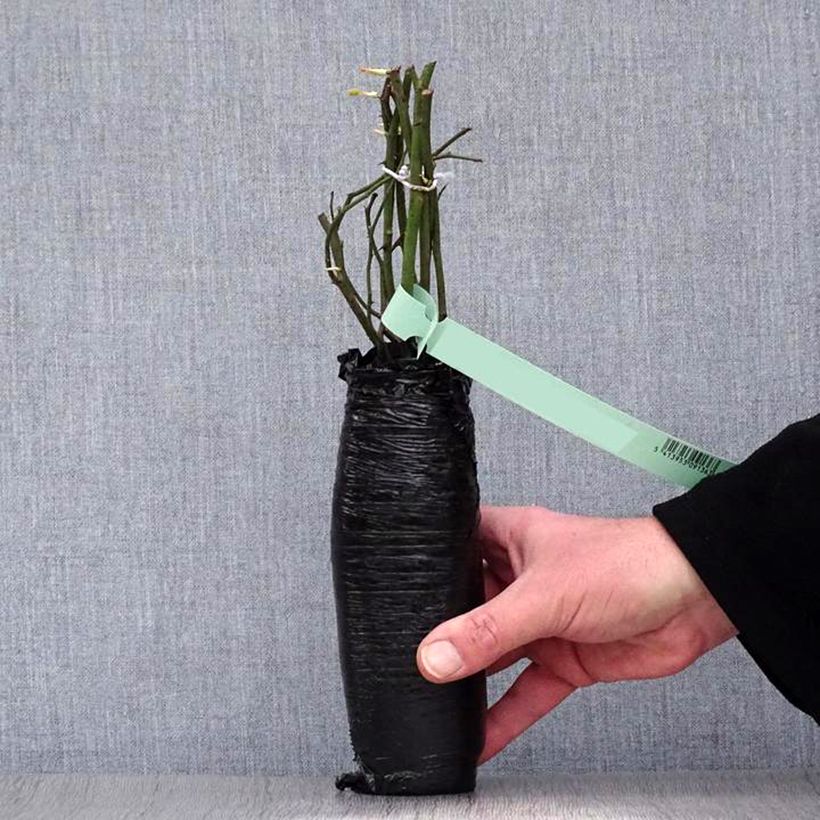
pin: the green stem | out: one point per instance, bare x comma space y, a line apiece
401, 209
332, 227
387, 284
424, 245
351, 200
437, 260
417, 198
429, 166
334, 258
406, 103
402, 102
372, 253
401, 201
401, 95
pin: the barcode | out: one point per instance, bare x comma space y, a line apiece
690, 457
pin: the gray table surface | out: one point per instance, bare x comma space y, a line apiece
792, 794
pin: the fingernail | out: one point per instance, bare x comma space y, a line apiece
441, 659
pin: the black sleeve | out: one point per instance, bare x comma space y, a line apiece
753, 536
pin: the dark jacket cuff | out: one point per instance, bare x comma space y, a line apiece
753, 536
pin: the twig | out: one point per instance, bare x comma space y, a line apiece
332, 229
458, 156
371, 245
445, 145
335, 264
373, 253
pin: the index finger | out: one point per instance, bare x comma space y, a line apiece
506, 527
493, 535
494, 525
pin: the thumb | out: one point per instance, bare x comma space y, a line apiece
473, 641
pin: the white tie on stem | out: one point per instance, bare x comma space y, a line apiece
403, 173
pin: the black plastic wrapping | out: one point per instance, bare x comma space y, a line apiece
405, 507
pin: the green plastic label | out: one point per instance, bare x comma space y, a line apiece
416, 316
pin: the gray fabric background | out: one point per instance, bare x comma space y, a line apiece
645, 224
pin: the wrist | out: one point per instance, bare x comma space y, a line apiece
679, 584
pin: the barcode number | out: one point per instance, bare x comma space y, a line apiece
690, 457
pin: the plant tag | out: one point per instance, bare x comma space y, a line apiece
416, 315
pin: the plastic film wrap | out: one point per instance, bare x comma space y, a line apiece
405, 507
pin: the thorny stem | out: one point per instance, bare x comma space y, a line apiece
421, 110
403, 145
372, 252
351, 200
437, 261
335, 264
424, 245
401, 210
401, 99
407, 139
387, 222
427, 225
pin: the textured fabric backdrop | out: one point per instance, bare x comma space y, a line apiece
645, 224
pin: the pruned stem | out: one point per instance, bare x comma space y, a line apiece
387, 286
401, 99
427, 214
421, 110
402, 147
406, 106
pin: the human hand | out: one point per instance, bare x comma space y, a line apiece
585, 599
